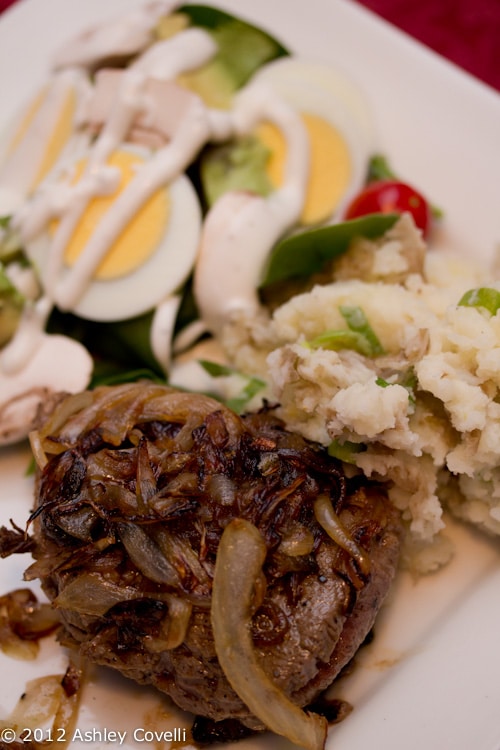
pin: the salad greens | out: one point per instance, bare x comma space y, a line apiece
345, 451
301, 255
242, 47
10, 246
122, 350
11, 306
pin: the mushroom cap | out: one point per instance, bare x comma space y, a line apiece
59, 364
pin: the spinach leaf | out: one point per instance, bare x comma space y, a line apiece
301, 255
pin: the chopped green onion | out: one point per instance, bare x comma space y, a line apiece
409, 382
358, 322
360, 337
252, 386
215, 369
239, 403
335, 340
485, 297
345, 451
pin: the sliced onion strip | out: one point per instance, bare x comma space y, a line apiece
91, 594
330, 522
37, 449
146, 555
240, 557
174, 626
45, 700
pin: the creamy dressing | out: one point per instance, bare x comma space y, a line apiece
240, 230
31, 141
126, 35
68, 202
162, 329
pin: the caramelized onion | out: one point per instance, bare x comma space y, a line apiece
174, 627
181, 555
222, 489
298, 541
139, 487
92, 594
328, 519
23, 621
48, 699
146, 555
41, 440
37, 449
240, 557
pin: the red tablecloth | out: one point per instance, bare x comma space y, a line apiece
467, 32
464, 31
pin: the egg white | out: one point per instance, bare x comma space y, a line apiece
321, 90
160, 275
39, 135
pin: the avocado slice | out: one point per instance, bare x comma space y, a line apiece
11, 307
236, 165
242, 49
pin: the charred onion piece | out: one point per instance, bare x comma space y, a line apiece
23, 621
51, 698
148, 557
240, 558
329, 520
92, 595
175, 626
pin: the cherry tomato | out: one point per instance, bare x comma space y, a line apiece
391, 196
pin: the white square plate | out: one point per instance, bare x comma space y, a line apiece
431, 678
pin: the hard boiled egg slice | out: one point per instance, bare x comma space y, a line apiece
38, 137
339, 125
149, 259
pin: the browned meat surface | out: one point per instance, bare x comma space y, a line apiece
138, 486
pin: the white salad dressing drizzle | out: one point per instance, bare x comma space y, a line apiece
162, 329
23, 161
240, 229
126, 35
188, 49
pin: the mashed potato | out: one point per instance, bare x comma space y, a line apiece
422, 414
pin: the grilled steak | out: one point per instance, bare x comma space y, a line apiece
137, 485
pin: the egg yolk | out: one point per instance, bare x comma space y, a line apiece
26, 120
330, 167
140, 236
59, 135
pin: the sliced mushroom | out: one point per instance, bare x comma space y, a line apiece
58, 364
